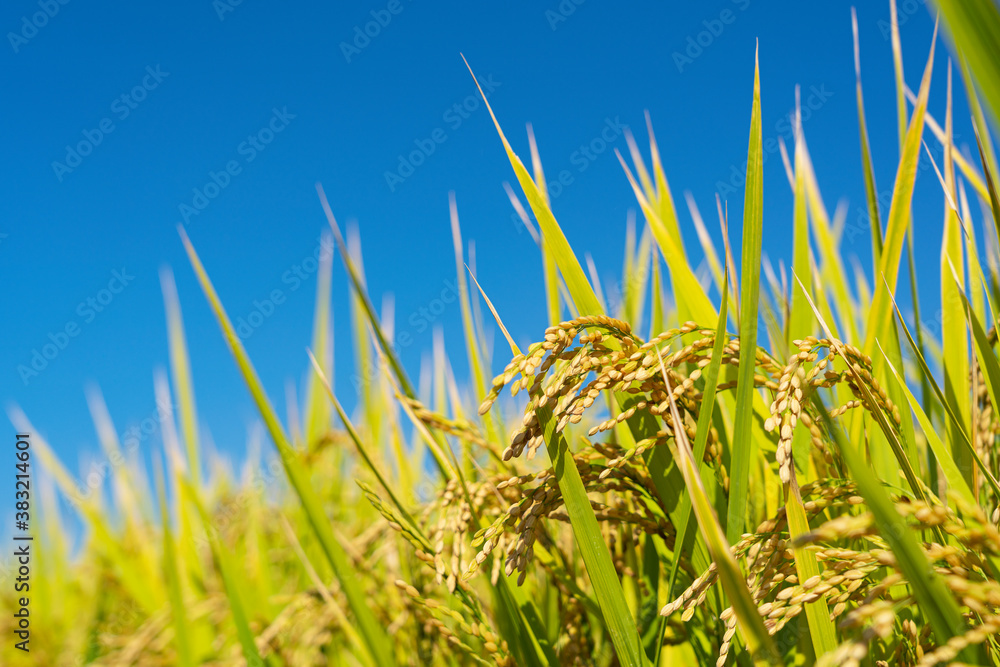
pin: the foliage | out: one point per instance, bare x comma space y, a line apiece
805, 489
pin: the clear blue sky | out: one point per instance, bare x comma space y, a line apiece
184, 87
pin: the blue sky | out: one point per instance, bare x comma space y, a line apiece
125, 119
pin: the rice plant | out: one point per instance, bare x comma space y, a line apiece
727, 467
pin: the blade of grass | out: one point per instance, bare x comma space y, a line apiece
622, 630
366, 303
549, 270
743, 442
984, 351
656, 307
582, 294
188, 554
821, 629
360, 447
897, 66
126, 496
471, 342
317, 412
593, 548
966, 167
685, 529
974, 26
935, 601
475, 352
871, 191
506, 334
991, 186
141, 583
979, 125
758, 640
799, 321
948, 407
375, 638
954, 335
180, 368
880, 313
956, 482
225, 566
172, 576
711, 256
664, 199
830, 261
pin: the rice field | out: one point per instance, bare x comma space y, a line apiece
779, 464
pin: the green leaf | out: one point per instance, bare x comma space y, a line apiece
974, 28
549, 269
880, 312
821, 630
317, 413
172, 575
362, 294
141, 582
994, 199
984, 353
685, 529
180, 368
871, 191
596, 554
555, 241
946, 462
934, 600
224, 563
363, 451
933, 597
375, 638
593, 548
800, 323
954, 335
743, 444
748, 618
